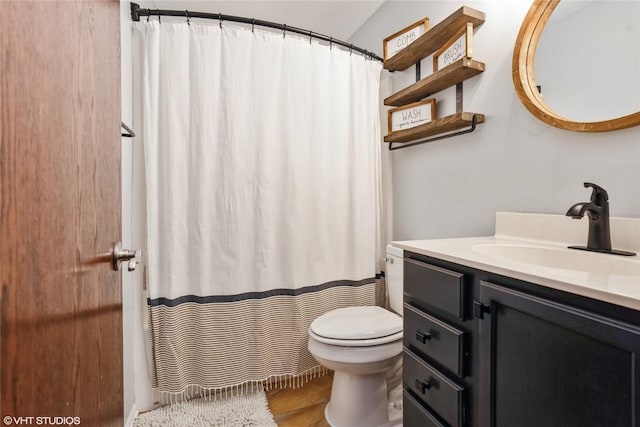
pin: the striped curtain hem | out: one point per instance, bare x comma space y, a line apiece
220, 345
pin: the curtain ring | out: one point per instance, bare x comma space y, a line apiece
350, 49
186, 12
220, 19
159, 20
284, 30
330, 43
310, 36
148, 14
253, 24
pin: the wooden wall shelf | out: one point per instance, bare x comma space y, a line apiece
440, 80
445, 124
433, 39
451, 75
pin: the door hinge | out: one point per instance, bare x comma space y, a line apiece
479, 309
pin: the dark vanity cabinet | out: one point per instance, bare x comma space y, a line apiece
491, 351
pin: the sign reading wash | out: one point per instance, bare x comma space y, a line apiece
411, 115
403, 38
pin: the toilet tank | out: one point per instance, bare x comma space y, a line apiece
394, 275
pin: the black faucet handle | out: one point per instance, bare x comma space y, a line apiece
599, 196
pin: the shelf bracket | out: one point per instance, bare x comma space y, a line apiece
474, 121
459, 97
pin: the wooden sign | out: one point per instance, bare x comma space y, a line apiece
459, 46
403, 38
411, 115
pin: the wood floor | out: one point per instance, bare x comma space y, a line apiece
302, 406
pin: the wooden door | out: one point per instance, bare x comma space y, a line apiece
61, 350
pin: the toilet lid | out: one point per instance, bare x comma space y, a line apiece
357, 323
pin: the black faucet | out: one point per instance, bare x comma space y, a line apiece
599, 239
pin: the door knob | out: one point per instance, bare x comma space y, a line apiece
132, 256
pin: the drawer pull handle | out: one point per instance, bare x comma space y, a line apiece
423, 336
422, 387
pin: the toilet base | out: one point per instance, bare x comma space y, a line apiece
358, 400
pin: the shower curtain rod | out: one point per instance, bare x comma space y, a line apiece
137, 12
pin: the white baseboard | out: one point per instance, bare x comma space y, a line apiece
132, 416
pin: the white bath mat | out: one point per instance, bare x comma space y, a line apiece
246, 410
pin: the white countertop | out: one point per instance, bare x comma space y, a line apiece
623, 290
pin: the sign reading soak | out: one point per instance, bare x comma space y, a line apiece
411, 115
459, 46
403, 38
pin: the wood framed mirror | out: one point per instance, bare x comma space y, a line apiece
525, 83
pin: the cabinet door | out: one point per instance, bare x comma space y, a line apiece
547, 364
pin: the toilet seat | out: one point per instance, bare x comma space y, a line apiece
357, 327
357, 343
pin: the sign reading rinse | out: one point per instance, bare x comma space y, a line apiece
412, 115
403, 38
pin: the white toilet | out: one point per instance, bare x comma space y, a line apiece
361, 344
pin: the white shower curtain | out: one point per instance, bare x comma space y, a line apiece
262, 157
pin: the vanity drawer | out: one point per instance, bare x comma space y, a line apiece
433, 388
435, 286
436, 339
416, 415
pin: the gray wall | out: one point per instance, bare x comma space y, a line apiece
513, 161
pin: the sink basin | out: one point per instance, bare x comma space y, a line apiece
562, 258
